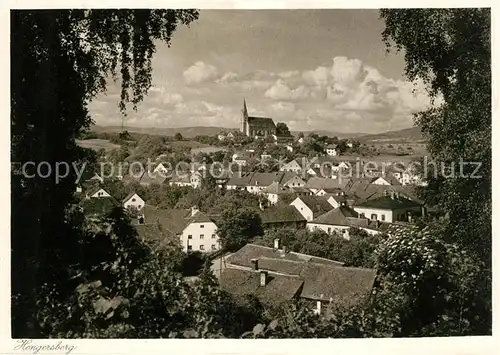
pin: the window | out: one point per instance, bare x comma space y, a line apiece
202, 236
133, 200
362, 215
214, 247
190, 247
202, 226
202, 247
190, 236
213, 236
329, 230
382, 217
373, 216
139, 206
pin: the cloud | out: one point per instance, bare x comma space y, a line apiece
281, 91
200, 72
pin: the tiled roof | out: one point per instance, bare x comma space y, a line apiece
240, 181
265, 179
278, 288
129, 196
274, 188
152, 177
261, 121
244, 256
344, 285
317, 204
389, 203
336, 217
277, 214
321, 183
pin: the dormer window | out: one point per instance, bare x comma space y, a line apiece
133, 200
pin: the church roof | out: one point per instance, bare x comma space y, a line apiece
261, 121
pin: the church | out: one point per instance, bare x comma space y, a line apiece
256, 126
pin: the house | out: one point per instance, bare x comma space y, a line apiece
328, 191
161, 169
331, 150
299, 191
133, 201
387, 180
256, 126
239, 182
95, 177
151, 177
289, 147
276, 276
311, 207
221, 136
241, 159
315, 184
282, 216
97, 192
334, 221
300, 140
187, 179
259, 181
293, 181
390, 208
273, 192
99, 206
293, 166
193, 229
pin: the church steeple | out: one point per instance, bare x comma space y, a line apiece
244, 118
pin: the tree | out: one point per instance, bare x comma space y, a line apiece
282, 130
178, 136
450, 50
60, 61
238, 227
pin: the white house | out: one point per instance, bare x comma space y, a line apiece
293, 166
295, 181
389, 208
199, 233
273, 192
331, 150
300, 140
334, 221
133, 200
289, 147
311, 207
98, 192
160, 168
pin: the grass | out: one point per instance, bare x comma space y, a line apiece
97, 144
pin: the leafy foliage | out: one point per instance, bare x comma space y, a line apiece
238, 227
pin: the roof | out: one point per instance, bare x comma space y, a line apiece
243, 257
389, 203
281, 214
181, 178
323, 279
343, 285
278, 289
129, 196
95, 190
99, 205
321, 183
331, 146
261, 121
336, 217
275, 188
317, 204
265, 179
240, 181
298, 189
152, 177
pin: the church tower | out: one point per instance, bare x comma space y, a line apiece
244, 118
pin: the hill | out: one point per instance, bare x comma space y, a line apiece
407, 135
187, 132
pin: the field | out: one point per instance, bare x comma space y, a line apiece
97, 144
207, 150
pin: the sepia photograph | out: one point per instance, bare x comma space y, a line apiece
249, 174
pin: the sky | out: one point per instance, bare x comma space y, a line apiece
311, 69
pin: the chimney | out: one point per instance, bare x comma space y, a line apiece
283, 251
255, 263
318, 308
194, 210
263, 278
276, 243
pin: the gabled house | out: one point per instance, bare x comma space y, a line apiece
293, 166
390, 208
276, 276
133, 201
187, 179
311, 207
282, 217
151, 177
315, 184
331, 150
292, 181
97, 192
193, 229
273, 192
160, 168
334, 221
